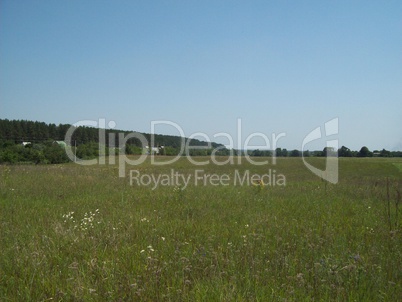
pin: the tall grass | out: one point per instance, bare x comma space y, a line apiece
74, 233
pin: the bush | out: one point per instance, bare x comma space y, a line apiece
54, 154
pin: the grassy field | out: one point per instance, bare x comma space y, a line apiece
75, 233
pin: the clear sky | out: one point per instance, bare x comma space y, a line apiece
279, 66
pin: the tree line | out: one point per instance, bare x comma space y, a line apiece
18, 131
38, 142
341, 152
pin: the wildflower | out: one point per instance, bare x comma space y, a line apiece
163, 238
259, 183
142, 251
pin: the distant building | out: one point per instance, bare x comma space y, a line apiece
60, 143
153, 150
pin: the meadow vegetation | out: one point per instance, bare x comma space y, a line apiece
76, 233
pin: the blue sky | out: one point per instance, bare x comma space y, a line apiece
279, 66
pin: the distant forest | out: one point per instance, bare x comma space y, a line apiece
38, 142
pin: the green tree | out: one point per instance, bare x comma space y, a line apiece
55, 154
364, 152
344, 152
281, 152
329, 151
385, 153
171, 151
295, 153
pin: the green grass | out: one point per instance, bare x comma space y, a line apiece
305, 241
399, 166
